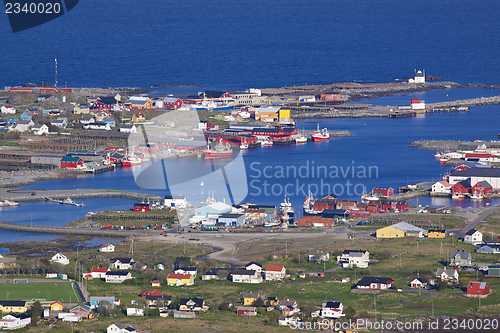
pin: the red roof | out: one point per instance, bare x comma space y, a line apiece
478, 155
99, 270
105, 245
274, 268
178, 276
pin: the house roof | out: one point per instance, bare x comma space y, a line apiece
253, 263
187, 269
70, 159
251, 295
462, 254
100, 269
478, 172
274, 268
471, 232
13, 303
332, 305
368, 280
353, 251
115, 273
240, 271
403, 226
198, 302
123, 260
178, 276
484, 184
449, 272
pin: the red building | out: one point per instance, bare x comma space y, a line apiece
315, 221
477, 289
462, 187
246, 311
359, 213
106, 103
330, 96
142, 207
151, 292
482, 188
275, 134
68, 162
401, 206
383, 191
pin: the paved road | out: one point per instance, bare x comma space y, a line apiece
477, 220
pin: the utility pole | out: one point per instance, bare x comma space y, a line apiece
55, 85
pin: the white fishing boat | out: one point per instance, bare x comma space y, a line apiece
301, 139
244, 146
11, 203
266, 143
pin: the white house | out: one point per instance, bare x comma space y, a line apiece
40, 129
117, 277
160, 267
186, 270
122, 263
86, 120
354, 258
135, 309
8, 109
177, 201
329, 309
98, 126
107, 248
441, 187
473, 237
128, 129
254, 266
99, 272
287, 320
120, 328
15, 321
23, 125
60, 259
319, 257
447, 274
60, 122
418, 283
246, 276
275, 273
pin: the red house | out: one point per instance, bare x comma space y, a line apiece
68, 162
383, 191
106, 103
247, 311
477, 289
142, 207
151, 292
482, 188
359, 213
462, 187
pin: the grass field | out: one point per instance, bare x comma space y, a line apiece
51, 291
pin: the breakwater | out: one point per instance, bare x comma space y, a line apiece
40, 194
75, 231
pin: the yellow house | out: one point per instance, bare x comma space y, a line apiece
390, 232
138, 117
13, 306
142, 104
155, 283
192, 304
436, 233
180, 279
272, 301
56, 306
268, 116
249, 298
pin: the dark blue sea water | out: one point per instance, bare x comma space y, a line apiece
237, 45
261, 43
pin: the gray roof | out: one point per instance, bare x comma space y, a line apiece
403, 226
251, 295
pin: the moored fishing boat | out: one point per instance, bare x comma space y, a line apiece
321, 135
131, 160
244, 146
266, 143
219, 150
301, 139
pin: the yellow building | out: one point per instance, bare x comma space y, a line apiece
285, 115
268, 116
13, 306
138, 117
180, 279
155, 283
56, 306
390, 232
436, 233
249, 298
272, 301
